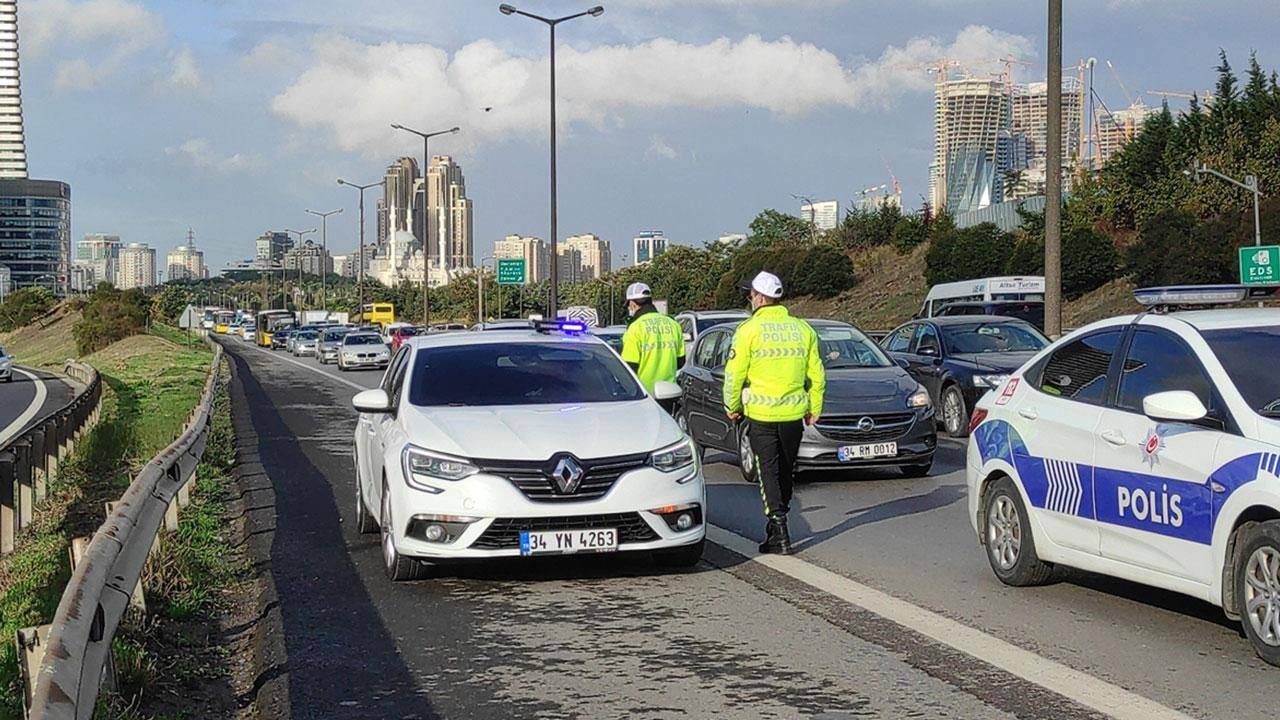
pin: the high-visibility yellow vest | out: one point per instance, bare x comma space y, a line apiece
775, 358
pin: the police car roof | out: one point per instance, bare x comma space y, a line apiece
505, 336
1229, 318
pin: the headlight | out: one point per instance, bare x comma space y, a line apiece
989, 381
673, 458
421, 465
918, 399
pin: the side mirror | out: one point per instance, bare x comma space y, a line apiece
688, 336
1174, 406
718, 373
372, 401
664, 390
928, 351
903, 363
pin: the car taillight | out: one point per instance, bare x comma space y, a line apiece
976, 419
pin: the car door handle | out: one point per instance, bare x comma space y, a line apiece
1115, 437
1028, 413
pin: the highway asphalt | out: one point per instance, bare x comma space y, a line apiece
18, 399
889, 609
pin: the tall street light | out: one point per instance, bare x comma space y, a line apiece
298, 256
324, 258
426, 266
813, 217
596, 11
360, 250
1250, 183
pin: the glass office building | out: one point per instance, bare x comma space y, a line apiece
35, 232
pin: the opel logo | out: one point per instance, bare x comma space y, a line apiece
866, 424
567, 475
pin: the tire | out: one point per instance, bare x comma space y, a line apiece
917, 471
1011, 550
397, 567
1257, 578
682, 557
955, 416
366, 523
746, 459
341, 367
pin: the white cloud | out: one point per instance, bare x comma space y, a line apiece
354, 91
114, 30
660, 149
184, 75
198, 152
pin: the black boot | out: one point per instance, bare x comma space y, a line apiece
778, 539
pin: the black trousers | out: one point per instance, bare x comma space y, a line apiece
775, 446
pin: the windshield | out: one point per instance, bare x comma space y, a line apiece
1240, 351
846, 347
705, 324
991, 337
520, 374
308, 335
362, 340
335, 335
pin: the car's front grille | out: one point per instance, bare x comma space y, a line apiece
504, 533
845, 428
534, 478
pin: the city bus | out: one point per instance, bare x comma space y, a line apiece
1029, 288
222, 320
380, 314
269, 321
207, 318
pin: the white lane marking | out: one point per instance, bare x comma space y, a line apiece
16, 426
1081, 687
358, 387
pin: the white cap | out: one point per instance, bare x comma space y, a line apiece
767, 284
638, 291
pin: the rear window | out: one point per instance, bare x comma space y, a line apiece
520, 374
362, 340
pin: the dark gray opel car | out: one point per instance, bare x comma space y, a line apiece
874, 414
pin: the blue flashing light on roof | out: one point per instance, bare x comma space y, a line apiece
567, 327
1192, 295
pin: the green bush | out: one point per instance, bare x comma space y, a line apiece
110, 315
821, 271
974, 252
1174, 248
909, 232
23, 306
1089, 261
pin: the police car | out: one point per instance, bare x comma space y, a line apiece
1145, 447
526, 441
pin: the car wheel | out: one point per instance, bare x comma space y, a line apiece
341, 367
917, 471
686, 556
746, 458
955, 418
366, 523
1011, 549
1257, 576
682, 420
397, 566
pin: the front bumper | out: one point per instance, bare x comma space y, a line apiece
305, 350
501, 511
916, 446
327, 354
350, 362
6, 371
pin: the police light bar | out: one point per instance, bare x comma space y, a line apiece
1200, 294
568, 327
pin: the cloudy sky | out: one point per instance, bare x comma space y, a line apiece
232, 116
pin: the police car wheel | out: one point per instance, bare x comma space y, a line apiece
746, 458
365, 522
955, 418
1257, 576
1010, 548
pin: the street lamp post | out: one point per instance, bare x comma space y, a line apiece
324, 257
480, 291
298, 257
426, 266
551, 23
1251, 184
813, 217
360, 250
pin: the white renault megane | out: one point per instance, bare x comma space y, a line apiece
522, 442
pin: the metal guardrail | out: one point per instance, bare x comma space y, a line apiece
29, 461
78, 643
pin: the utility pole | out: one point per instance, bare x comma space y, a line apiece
1053, 179
360, 249
324, 255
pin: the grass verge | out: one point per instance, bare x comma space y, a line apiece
150, 385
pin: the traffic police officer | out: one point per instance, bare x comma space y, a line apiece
653, 344
775, 378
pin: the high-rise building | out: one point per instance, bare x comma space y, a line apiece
448, 216
313, 258
824, 215
533, 250
101, 255
648, 245
971, 128
596, 255
271, 246
1029, 120
35, 231
1116, 129
137, 266
398, 195
13, 147
344, 265
185, 262
569, 265
6, 283
384, 225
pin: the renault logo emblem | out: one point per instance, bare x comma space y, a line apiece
866, 424
567, 475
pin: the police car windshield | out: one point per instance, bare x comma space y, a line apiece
991, 337
1240, 350
845, 347
547, 373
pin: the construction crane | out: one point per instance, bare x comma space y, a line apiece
1008, 63
1127, 95
897, 189
1207, 96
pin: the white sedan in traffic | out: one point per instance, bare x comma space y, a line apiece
522, 442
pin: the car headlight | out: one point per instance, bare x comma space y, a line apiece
673, 458
919, 399
989, 381
422, 465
